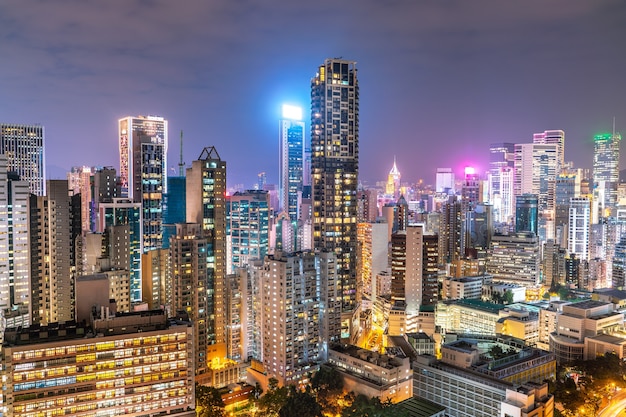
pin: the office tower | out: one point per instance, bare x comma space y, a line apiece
501, 164
605, 172
143, 172
536, 168
174, 207
291, 166
567, 187
392, 187
553, 137
292, 341
501, 194
51, 247
579, 227
56, 370
526, 213
515, 259
23, 146
444, 181
477, 230
206, 206
190, 292
247, 228
450, 231
15, 274
335, 164
121, 221
470, 190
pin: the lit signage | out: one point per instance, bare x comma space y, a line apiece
292, 112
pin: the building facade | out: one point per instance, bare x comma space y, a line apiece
334, 172
23, 146
143, 172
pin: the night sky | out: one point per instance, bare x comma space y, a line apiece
439, 79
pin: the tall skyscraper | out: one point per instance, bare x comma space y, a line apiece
291, 165
579, 230
553, 137
335, 166
206, 206
536, 168
392, 188
143, 171
23, 146
605, 173
445, 181
247, 228
501, 164
51, 243
15, 285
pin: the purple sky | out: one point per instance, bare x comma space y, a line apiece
439, 80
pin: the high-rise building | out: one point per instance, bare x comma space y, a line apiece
247, 228
190, 292
143, 172
515, 259
291, 314
579, 227
553, 137
174, 207
444, 181
536, 168
501, 164
392, 187
51, 247
470, 190
335, 165
121, 219
291, 148
206, 206
23, 146
450, 231
526, 213
15, 282
619, 265
605, 173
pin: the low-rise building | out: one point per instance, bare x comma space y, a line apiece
529, 400
372, 374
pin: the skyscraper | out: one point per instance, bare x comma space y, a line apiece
23, 146
526, 213
206, 206
553, 137
291, 160
605, 172
335, 165
247, 227
579, 221
536, 168
143, 171
15, 285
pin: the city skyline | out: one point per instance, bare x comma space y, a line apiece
486, 72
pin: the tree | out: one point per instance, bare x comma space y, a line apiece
274, 398
209, 402
328, 386
301, 404
508, 297
363, 406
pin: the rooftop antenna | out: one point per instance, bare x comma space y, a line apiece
613, 125
181, 164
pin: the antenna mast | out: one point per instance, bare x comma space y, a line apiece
181, 164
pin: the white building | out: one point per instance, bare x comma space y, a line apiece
579, 227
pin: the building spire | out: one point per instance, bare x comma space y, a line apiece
181, 164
